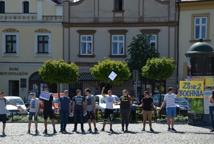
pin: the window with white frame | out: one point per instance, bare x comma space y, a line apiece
200, 27
43, 43
86, 45
118, 45
10, 43
153, 39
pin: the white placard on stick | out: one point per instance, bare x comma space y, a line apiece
112, 76
45, 95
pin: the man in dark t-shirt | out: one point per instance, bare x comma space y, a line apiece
148, 106
79, 107
125, 108
48, 112
65, 108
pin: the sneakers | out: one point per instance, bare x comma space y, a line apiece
3, 134
174, 130
28, 132
45, 132
95, 130
151, 130
126, 131
54, 131
89, 130
36, 132
74, 130
111, 130
102, 129
83, 131
123, 129
169, 128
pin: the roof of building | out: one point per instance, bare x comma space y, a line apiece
58, 1
193, 0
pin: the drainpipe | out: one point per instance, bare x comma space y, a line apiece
178, 29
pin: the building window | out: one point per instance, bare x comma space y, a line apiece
118, 5
86, 44
2, 7
118, 45
200, 27
43, 43
26, 7
153, 40
10, 44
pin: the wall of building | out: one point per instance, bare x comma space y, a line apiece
186, 30
26, 62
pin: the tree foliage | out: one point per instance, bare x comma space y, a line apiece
140, 51
158, 68
54, 71
102, 70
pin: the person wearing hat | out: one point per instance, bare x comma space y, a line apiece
3, 112
33, 112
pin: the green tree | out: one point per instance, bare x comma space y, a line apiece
158, 68
58, 71
102, 70
140, 50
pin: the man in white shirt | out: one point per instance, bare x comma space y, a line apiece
109, 109
169, 102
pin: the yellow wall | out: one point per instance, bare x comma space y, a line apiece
186, 30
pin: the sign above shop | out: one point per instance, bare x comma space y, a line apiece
14, 73
191, 89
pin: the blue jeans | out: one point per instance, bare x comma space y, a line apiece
212, 115
64, 120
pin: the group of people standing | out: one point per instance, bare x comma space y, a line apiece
80, 107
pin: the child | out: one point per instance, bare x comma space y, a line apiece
3, 112
33, 112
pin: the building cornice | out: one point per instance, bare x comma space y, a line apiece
197, 5
131, 24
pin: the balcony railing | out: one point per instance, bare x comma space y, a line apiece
113, 19
19, 17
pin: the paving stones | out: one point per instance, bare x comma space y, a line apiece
17, 134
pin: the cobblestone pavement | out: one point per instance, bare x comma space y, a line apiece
16, 134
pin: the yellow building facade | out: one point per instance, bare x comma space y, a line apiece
196, 29
31, 33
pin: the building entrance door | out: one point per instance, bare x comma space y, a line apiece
14, 88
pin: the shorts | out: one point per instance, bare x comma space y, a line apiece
32, 115
125, 114
108, 114
3, 118
91, 115
48, 114
147, 115
171, 112
78, 117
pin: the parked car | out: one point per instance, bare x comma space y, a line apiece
101, 104
15, 105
